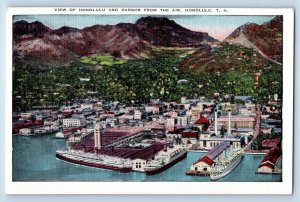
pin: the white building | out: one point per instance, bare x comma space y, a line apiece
72, 122
170, 123
86, 106
26, 131
207, 141
153, 109
137, 115
139, 165
183, 120
25, 116
195, 113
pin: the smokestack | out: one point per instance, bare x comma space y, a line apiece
97, 137
229, 123
216, 122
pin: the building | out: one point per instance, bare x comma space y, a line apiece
73, 122
270, 160
137, 115
237, 121
139, 165
202, 165
205, 162
183, 120
208, 141
170, 124
202, 123
25, 116
195, 113
86, 106
26, 131
270, 143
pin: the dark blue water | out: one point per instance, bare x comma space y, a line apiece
34, 160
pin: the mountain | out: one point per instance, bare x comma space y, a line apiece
37, 43
223, 56
165, 32
23, 30
265, 38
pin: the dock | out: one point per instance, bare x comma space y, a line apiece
198, 173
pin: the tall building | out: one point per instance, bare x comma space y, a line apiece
97, 136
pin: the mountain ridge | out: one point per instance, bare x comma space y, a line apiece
125, 40
265, 38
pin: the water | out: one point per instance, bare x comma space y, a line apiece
34, 160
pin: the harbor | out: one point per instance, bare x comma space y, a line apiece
29, 165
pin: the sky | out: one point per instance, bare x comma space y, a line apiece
218, 27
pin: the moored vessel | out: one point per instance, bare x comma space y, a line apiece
165, 160
224, 165
95, 160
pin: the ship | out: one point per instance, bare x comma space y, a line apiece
165, 160
95, 160
224, 165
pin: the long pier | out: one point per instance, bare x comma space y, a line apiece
126, 139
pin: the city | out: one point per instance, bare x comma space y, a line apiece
147, 99
154, 136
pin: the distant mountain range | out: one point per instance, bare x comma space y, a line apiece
124, 40
43, 45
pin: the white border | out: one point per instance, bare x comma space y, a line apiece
284, 187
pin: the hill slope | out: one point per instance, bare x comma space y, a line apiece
265, 39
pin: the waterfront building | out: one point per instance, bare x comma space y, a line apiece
73, 122
26, 131
139, 165
203, 165
272, 158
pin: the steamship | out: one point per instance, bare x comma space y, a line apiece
165, 160
224, 165
95, 160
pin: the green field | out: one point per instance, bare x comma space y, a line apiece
104, 60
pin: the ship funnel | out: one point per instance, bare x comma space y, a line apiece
229, 123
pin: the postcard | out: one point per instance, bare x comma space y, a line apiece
149, 100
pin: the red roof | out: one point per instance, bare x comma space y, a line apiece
204, 159
270, 143
202, 120
267, 164
271, 157
189, 134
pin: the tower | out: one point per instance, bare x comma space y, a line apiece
97, 136
229, 123
216, 122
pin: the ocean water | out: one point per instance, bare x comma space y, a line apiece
34, 160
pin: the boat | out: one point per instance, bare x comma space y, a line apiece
165, 160
224, 165
71, 130
95, 160
60, 135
